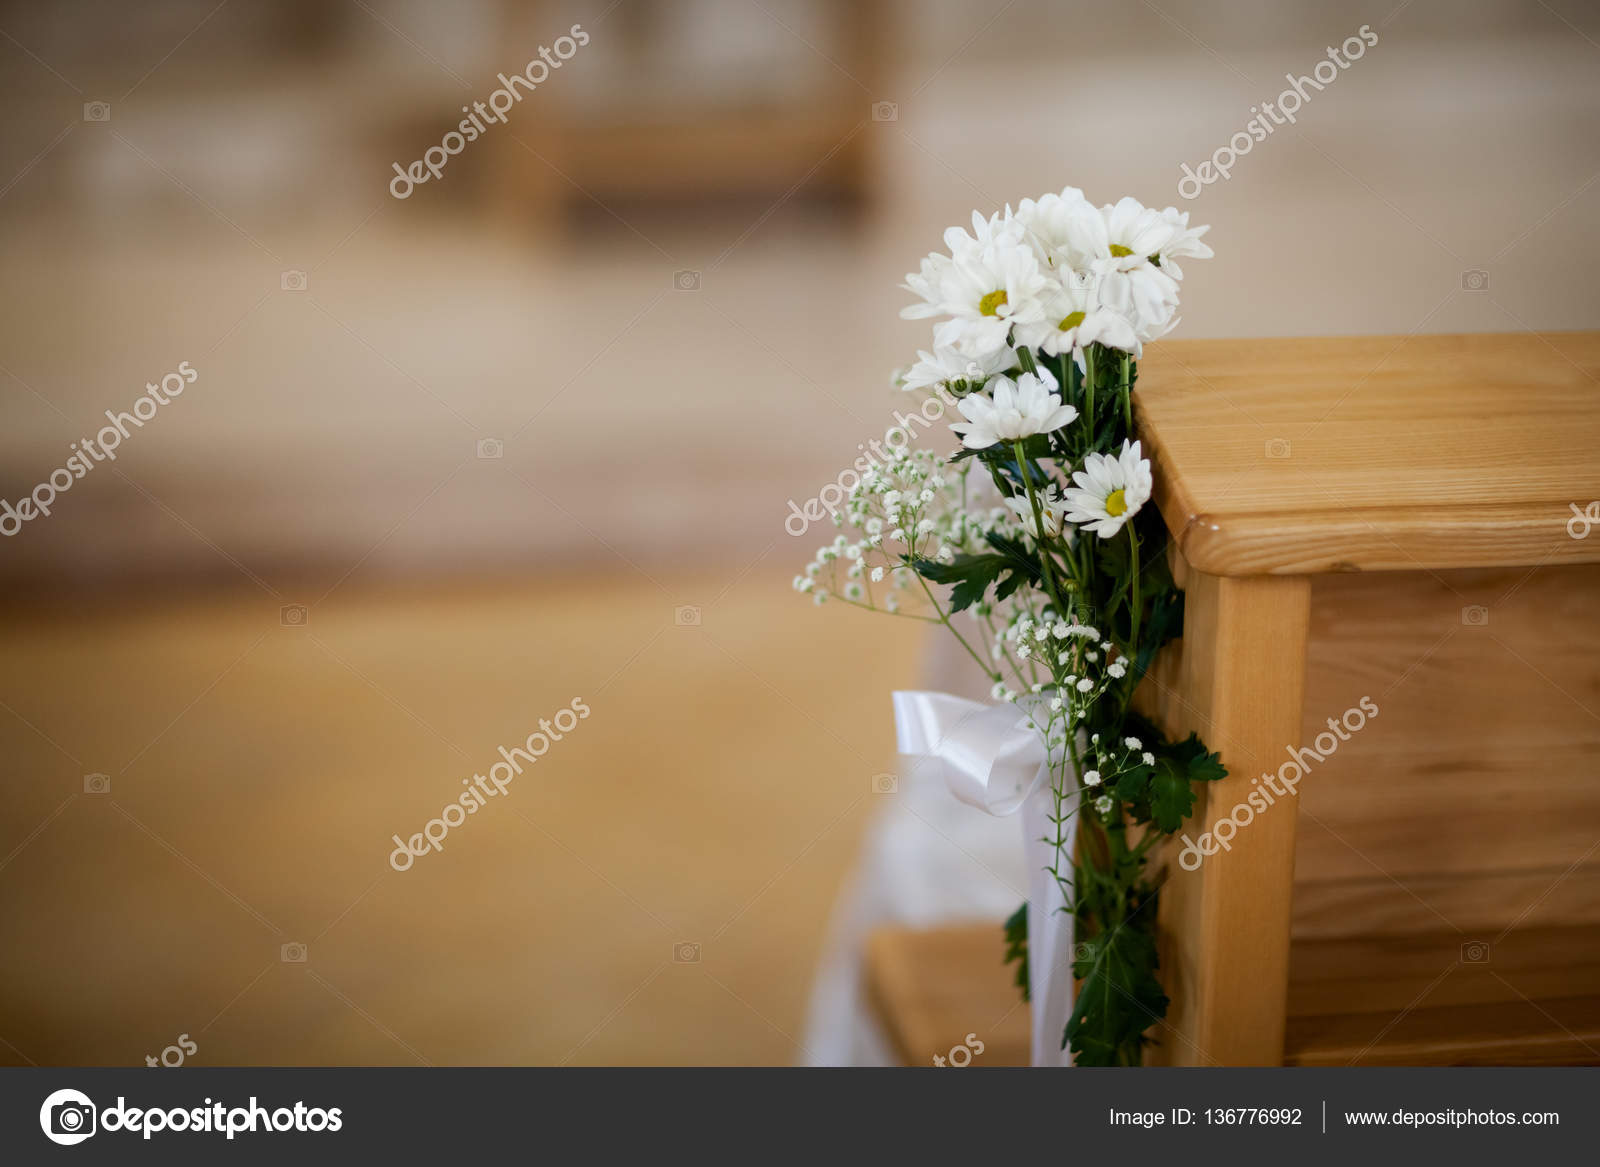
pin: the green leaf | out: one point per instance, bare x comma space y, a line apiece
1017, 947
1008, 567
1206, 767
1131, 786
1171, 796
971, 575
1120, 996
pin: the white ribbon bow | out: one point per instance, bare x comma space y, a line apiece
993, 758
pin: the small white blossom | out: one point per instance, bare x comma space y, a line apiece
1148, 758
1091, 778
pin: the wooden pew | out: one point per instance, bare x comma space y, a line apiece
1399, 519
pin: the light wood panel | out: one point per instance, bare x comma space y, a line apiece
1483, 764
1367, 453
1225, 926
1524, 998
933, 987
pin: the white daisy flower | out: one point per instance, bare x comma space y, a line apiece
1109, 490
947, 363
990, 281
1052, 513
1066, 229
1185, 243
1009, 411
1130, 282
1074, 318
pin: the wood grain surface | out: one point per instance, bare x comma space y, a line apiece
1374, 453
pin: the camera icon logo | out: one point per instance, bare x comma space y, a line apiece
292, 953
686, 280
685, 953
1475, 952
489, 448
885, 111
1277, 447
686, 616
1475, 616
1476, 280
885, 784
292, 281
67, 1117
293, 615
97, 783
97, 111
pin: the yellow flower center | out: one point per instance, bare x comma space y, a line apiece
990, 304
1070, 320
1116, 503
1119, 251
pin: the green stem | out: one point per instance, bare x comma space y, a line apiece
1138, 604
1088, 395
945, 620
1045, 557
1127, 398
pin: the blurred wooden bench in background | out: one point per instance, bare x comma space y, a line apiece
1390, 518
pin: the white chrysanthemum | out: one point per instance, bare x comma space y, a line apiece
1066, 229
1109, 491
1130, 283
1053, 512
1008, 411
947, 363
1075, 318
990, 281
1184, 244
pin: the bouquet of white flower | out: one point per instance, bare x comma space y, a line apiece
1038, 540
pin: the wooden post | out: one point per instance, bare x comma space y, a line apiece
1237, 678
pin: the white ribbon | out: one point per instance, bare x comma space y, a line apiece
993, 758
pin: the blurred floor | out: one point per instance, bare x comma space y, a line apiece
713, 798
